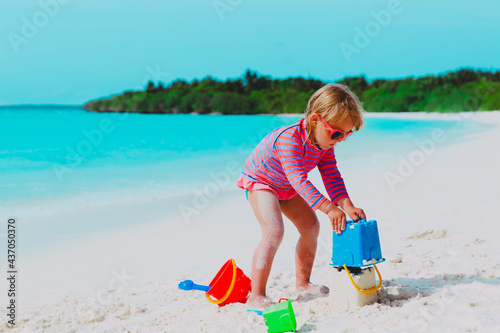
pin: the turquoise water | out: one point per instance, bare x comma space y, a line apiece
57, 160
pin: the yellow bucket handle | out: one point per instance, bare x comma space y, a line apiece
365, 291
231, 287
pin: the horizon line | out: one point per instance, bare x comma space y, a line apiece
368, 80
74, 106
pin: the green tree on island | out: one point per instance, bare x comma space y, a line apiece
463, 90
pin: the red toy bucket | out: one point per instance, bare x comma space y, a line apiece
230, 285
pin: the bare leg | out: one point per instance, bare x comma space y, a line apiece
266, 207
306, 222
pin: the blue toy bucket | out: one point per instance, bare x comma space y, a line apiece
357, 246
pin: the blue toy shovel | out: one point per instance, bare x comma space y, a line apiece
190, 285
259, 312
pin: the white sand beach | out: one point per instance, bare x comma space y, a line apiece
439, 231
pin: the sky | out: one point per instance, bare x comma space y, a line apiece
73, 51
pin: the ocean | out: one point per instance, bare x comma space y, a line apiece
58, 161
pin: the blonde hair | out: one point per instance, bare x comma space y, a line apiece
335, 102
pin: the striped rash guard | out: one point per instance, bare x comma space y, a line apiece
284, 158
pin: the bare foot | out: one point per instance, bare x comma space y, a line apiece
313, 289
258, 302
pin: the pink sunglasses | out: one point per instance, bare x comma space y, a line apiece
336, 134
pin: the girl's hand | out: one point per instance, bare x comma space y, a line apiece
337, 219
355, 213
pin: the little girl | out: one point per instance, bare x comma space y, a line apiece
275, 181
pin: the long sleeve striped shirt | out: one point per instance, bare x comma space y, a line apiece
284, 158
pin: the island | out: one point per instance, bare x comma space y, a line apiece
463, 90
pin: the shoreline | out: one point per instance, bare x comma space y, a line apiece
399, 115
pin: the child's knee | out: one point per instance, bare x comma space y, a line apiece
312, 231
274, 236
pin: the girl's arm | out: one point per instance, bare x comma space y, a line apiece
336, 189
332, 179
